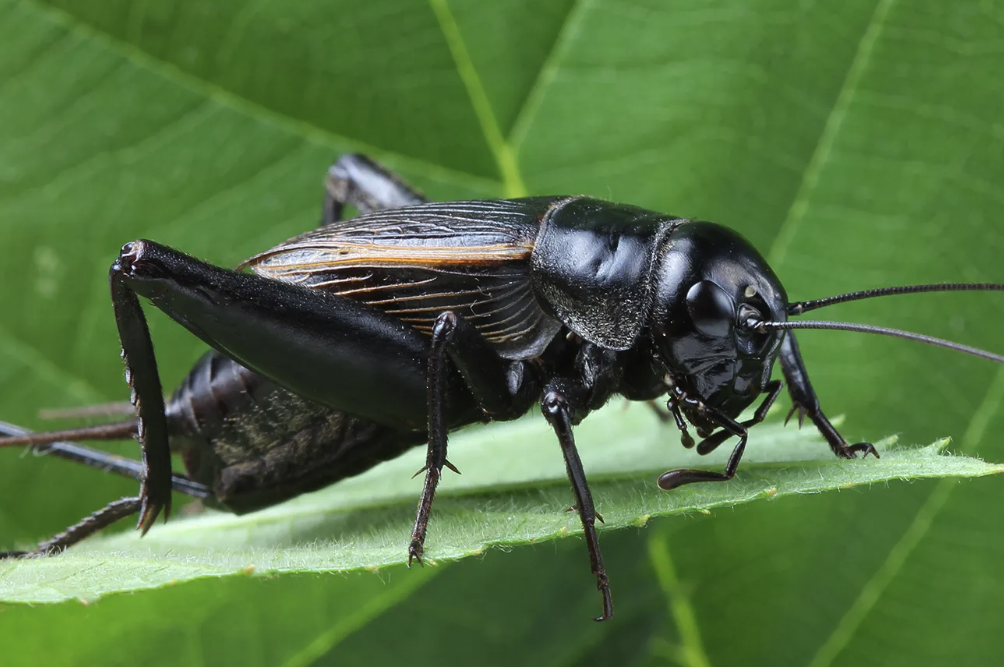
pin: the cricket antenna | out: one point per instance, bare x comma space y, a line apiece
800, 307
883, 331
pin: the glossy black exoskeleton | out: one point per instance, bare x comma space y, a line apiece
347, 345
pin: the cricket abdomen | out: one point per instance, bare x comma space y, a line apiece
256, 444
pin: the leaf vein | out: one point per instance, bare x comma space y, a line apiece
231, 100
545, 76
505, 157
328, 640
872, 591
43, 366
831, 129
57, 181
691, 649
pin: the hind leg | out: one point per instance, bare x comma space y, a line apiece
55, 443
46, 444
86, 527
356, 180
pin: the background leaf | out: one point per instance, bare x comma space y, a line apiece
856, 144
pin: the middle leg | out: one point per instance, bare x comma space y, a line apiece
502, 389
558, 411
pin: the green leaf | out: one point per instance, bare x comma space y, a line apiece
513, 495
856, 144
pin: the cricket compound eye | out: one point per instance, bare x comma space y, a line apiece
711, 309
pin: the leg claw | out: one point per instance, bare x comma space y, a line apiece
851, 451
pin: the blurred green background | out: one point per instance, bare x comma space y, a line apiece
856, 144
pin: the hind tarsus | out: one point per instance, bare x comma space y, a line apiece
54, 443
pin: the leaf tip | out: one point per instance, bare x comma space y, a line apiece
941, 446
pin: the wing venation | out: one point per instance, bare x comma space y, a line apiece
416, 262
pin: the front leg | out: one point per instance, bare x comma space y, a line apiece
712, 442
806, 403
729, 427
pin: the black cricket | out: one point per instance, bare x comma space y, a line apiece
348, 345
